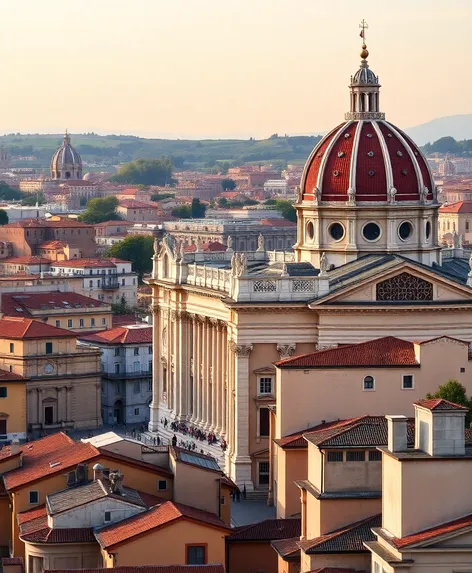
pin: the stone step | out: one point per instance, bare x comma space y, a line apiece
257, 495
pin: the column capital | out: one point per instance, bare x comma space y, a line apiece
286, 350
213, 321
242, 350
220, 324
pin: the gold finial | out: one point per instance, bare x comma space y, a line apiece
364, 52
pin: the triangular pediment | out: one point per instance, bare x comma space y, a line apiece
403, 283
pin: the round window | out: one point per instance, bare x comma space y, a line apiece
310, 230
405, 230
428, 229
336, 230
371, 232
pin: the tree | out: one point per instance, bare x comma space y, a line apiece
100, 210
33, 198
198, 210
138, 249
182, 212
287, 209
161, 196
7, 193
455, 392
3, 217
145, 172
222, 202
228, 184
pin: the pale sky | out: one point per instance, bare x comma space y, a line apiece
219, 68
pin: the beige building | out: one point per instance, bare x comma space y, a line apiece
367, 264
456, 218
62, 379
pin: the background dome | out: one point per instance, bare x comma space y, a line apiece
370, 157
66, 163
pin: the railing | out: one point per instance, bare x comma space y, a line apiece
127, 374
110, 285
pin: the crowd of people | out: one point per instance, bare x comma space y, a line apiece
195, 433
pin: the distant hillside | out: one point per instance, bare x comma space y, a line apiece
100, 152
457, 126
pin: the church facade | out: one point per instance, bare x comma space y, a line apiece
366, 264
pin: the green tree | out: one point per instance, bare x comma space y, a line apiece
100, 210
198, 209
32, 198
3, 217
7, 193
145, 172
161, 196
182, 212
228, 184
138, 249
287, 209
222, 202
455, 392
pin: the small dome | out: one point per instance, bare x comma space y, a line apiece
66, 163
364, 76
98, 467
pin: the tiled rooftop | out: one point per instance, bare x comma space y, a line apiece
140, 334
437, 404
267, 530
15, 327
20, 304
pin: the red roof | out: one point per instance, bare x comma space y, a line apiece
122, 335
432, 532
52, 245
158, 516
38, 456
54, 300
31, 514
216, 568
296, 440
277, 223
209, 247
16, 327
48, 223
6, 376
133, 204
26, 261
387, 351
437, 404
334, 155
459, 207
113, 224
87, 263
267, 530
123, 319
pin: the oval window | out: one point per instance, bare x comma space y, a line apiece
310, 230
428, 229
336, 230
405, 230
371, 232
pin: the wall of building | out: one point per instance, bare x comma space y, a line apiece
13, 409
291, 465
5, 521
251, 557
93, 514
65, 556
360, 562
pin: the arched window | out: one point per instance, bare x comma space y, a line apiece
369, 383
467, 225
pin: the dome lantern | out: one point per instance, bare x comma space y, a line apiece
66, 163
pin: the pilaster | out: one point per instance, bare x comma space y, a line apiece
156, 366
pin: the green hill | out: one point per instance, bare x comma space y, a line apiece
101, 152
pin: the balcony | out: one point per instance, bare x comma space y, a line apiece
128, 374
110, 283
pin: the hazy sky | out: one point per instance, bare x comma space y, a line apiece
218, 68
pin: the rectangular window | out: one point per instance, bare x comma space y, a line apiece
69, 323
196, 554
3, 429
136, 411
81, 322
48, 347
117, 368
107, 516
3, 391
104, 321
150, 386
34, 497
375, 456
136, 351
263, 473
407, 382
335, 457
90, 283
117, 351
137, 387
150, 366
265, 385
162, 485
92, 322
355, 456
117, 387
263, 422
149, 349
58, 323
122, 282
12, 348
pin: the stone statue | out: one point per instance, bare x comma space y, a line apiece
165, 240
260, 242
242, 264
199, 245
316, 196
156, 246
298, 191
351, 196
456, 240
229, 242
178, 250
324, 264
391, 195
234, 264
424, 194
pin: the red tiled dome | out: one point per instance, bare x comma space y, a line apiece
370, 157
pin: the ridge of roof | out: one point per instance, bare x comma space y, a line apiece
432, 532
437, 404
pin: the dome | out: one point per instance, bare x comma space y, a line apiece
66, 162
374, 160
365, 76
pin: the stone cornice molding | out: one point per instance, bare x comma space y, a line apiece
286, 350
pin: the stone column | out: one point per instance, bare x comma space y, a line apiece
241, 460
39, 404
194, 380
177, 352
184, 359
224, 381
156, 367
214, 375
218, 379
198, 385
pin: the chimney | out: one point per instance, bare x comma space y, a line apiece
439, 427
116, 482
98, 472
14, 447
397, 433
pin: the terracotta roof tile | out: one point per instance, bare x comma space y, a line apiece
31, 514
84, 263
46, 301
40, 454
134, 204
347, 539
15, 327
32, 260
432, 532
122, 335
156, 517
63, 223
287, 548
6, 376
459, 207
268, 530
215, 568
437, 404
387, 351
277, 223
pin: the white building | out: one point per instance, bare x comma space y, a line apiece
127, 372
111, 280
276, 186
